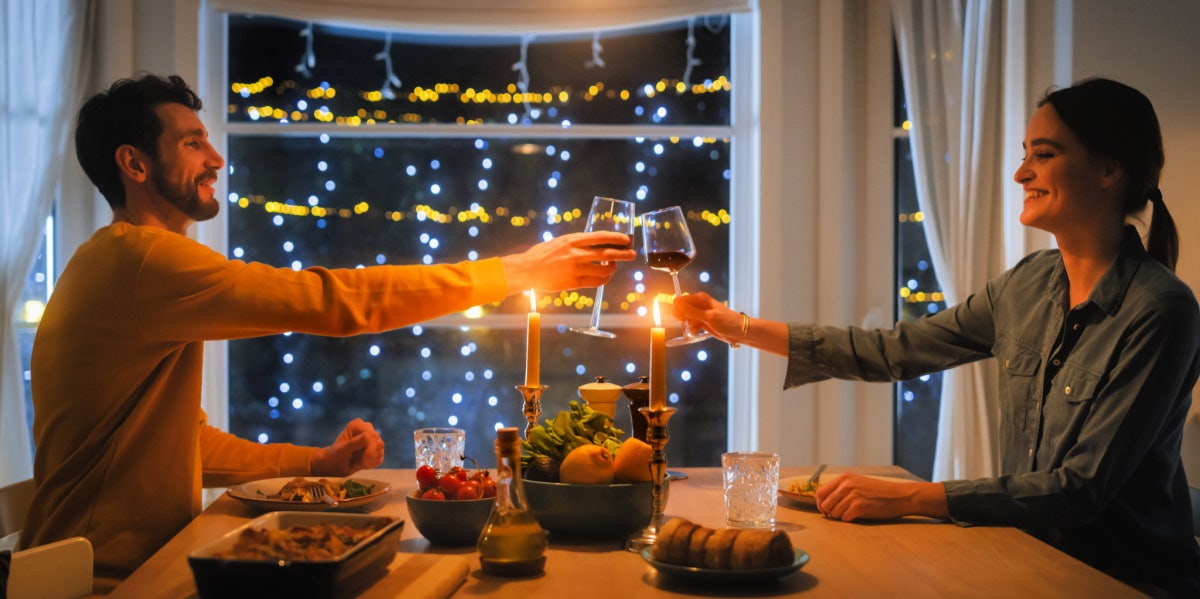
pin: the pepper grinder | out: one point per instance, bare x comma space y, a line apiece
639, 397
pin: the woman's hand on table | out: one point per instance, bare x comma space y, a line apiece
358, 447
851, 497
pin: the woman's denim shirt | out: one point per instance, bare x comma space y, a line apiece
1093, 401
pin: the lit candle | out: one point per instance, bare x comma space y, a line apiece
658, 363
533, 344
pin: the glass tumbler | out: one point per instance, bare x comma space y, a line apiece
442, 448
751, 488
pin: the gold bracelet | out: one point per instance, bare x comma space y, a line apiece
745, 329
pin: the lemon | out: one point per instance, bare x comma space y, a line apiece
632, 463
587, 464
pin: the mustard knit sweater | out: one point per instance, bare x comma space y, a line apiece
123, 447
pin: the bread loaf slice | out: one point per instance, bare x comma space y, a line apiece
677, 548
718, 547
661, 549
685, 543
695, 552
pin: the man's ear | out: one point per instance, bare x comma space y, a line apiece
132, 163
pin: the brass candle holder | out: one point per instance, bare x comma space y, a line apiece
533, 405
656, 437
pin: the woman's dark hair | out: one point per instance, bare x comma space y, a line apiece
1118, 122
124, 114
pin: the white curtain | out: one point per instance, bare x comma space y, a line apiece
40, 74
487, 16
951, 60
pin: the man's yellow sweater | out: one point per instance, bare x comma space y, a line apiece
123, 447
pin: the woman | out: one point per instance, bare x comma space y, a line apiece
1098, 344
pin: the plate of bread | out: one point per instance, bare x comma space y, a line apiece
687, 550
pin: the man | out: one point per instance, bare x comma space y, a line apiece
123, 447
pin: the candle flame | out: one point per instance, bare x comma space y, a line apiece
532, 301
657, 314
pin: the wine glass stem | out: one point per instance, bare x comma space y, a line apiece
596, 308
687, 331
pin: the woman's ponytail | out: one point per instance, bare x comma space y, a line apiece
1164, 237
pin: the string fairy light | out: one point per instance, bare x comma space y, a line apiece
309, 59
596, 60
390, 79
522, 66
692, 61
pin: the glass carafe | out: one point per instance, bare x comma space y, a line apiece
512, 542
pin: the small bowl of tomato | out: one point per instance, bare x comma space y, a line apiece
451, 508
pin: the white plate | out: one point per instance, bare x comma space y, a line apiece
807, 499
255, 494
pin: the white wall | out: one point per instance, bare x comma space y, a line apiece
827, 216
1154, 45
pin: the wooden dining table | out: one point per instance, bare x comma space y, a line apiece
906, 557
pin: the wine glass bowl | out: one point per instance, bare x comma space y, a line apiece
669, 247
607, 214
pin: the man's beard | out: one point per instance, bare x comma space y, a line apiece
186, 199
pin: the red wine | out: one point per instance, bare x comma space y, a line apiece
668, 261
614, 246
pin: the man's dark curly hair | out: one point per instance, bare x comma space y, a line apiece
124, 114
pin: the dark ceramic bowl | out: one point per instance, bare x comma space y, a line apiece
614, 510
451, 522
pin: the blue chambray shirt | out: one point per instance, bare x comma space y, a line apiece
1093, 402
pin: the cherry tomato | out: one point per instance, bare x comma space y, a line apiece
435, 494
487, 487
469, 490
449, 484
427, 477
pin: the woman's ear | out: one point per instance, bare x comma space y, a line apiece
1112, 174
132, 163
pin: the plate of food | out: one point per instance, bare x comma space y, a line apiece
798, 490
689, 551
310, 494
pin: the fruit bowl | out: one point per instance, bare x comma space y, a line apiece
454, 523
599, 510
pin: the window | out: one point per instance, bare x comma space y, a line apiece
917, 400
38, 285
351, 148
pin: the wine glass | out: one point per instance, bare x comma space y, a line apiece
669, 247
607, 214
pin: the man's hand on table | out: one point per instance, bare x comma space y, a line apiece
851, 497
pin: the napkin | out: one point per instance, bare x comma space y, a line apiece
420, 576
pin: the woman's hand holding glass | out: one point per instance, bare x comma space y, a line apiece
669, 247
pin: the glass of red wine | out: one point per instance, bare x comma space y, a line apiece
669, 247
607, 214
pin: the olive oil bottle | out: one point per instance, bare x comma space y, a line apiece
512, 543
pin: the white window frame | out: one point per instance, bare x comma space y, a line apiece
215, 233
